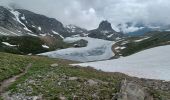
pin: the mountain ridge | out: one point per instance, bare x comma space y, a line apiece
24, 22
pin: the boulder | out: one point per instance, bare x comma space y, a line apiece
92, 82
54, 65
132, 91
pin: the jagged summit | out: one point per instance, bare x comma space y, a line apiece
105, 31
105, 25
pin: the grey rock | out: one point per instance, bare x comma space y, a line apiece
92, 82
54, 65
62, 98
132, 91
72, 78
80, 43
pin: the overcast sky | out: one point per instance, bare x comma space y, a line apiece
89, 13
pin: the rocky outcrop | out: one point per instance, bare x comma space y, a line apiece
41, 24
105, 31
80, 43
105, 25
76, 30
132, 91
8, 23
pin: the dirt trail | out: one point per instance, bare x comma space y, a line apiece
7, 82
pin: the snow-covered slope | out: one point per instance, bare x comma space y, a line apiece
96, 49
152, 63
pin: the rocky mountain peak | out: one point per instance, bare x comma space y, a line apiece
105, 31
105, 25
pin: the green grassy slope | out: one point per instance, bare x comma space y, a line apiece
156, 39
47, 79
62, 81
29, 44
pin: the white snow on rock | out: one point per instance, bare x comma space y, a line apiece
33, 26
71, 27
39, 28
122, 48
23, 17
110, 35
58, 34
8, 44
32, 34
117, 48
96, 50
43, 34
16, 14
45, 46
153, 63
142, 39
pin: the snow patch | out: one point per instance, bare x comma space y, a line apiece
32, 34
33, 26
105, 32
152, 64
109, 36
16, 14
39, 28
96, 49
122, 48
23, 17
141, 39
45, 46
72, 28
43, 34
8, 44
118, 48
58, 34
118, 38
124, 42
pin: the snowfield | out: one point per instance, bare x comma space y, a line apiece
8, 44
96, 50
153, 63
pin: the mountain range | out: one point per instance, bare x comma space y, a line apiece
18, 22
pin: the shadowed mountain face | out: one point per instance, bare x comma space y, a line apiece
8, 23
20, 22
105, 26
40, 23
105, 31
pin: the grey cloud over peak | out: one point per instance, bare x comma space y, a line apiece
89, 13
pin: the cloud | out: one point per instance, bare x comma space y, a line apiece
89, 13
